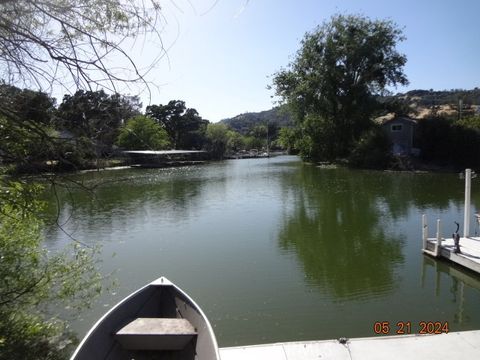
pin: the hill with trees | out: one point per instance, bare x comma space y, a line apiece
426, 98
244, 123
418, 101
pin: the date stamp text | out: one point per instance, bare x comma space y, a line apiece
409, 327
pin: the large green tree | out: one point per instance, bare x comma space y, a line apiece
287, 139
27, 105
333, 82
96, 116
185, 126
217, 140
143, 133
26, 127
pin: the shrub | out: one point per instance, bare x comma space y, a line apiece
372, 151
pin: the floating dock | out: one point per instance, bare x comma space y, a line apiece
454, 345
466, 250
166, 158
439, 247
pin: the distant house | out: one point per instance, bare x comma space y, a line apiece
401, 131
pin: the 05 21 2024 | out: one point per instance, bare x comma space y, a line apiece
409, 327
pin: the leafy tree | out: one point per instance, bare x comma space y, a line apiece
96, 116
259, 132
472, 122
287, 139
143, 133
273, 130
236, 141
33, 280
217, 140
23, 149
185, 127
243, 123
372, 150
252, 142
27, 105
334, 78
26, 129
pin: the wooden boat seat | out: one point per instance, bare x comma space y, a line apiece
156, 334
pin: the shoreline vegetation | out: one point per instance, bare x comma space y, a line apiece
125, 163
447, 136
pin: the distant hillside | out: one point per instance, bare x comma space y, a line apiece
425, 103
425, 98
244, 122
420, 101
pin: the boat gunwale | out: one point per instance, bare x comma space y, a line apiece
161, 281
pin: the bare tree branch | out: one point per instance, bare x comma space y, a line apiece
73, 39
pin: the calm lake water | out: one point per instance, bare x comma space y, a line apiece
276, 250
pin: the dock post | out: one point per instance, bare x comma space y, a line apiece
439, 238
466, 219
424, 231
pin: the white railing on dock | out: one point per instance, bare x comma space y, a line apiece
438, 243
466, 220
424, 231
439, 237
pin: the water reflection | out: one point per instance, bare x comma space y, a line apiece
273, 250
460, 286
121, 201
338, 233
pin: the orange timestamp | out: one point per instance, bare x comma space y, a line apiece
408, 327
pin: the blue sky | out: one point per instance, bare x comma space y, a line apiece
221, 58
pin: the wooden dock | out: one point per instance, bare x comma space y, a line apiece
440, 247
454, 345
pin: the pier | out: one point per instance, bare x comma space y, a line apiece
462, 250
454, 345
165, 158
440, 247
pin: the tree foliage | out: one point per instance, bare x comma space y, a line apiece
340, 68
33, 281
26, 127
372, 150
185, 126
236, 141
288, 138
27, 105
96, 117
471, 122
243, 123
143, 133
66, 44
51, 42
431, 97
217, 140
